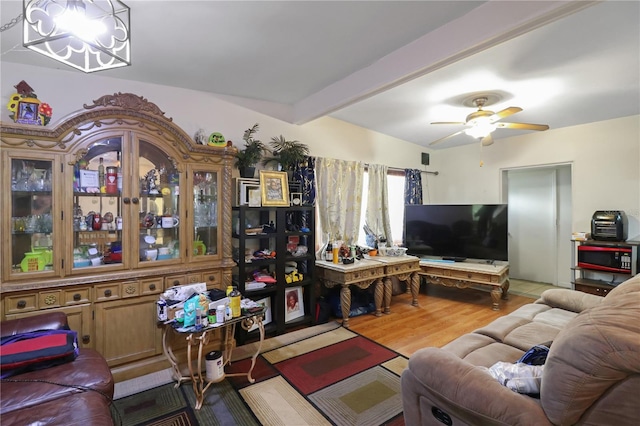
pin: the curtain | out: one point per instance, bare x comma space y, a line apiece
412, 186
339, 198
377, 213
305, 174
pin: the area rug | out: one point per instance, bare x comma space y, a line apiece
325, 375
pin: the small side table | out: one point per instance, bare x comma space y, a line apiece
200, 338
362, 274
405, 268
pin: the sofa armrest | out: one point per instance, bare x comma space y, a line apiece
45, 321
467, 393
570, 300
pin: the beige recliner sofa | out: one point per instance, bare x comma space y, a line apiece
591, 375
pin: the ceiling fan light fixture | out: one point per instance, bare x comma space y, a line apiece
480, 127
89, 35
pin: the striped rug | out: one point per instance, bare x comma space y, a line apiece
323, 375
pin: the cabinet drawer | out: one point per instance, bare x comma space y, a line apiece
471, 276
130, 289
401, 268
151, 286
21, 303
49, 299
76, 296
194, 278
598, 291
107, 292
212, 278
174, 280
428, 270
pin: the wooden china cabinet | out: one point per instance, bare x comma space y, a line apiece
105, 211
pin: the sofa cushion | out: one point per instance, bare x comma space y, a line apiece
82, 409
88, 370
596, 354
570, 300
531, 334
621, 290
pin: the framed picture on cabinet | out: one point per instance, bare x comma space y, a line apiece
254, 198
266, 302
275, 189
293, 302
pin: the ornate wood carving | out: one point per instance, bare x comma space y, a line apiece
127, 101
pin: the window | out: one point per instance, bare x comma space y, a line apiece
395, 189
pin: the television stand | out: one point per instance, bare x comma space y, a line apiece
467, 274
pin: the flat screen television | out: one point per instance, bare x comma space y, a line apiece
457, 231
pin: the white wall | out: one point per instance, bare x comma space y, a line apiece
67, 91
605, 158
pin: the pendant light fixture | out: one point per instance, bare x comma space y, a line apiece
89, 35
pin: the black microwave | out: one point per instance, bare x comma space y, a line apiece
605, 258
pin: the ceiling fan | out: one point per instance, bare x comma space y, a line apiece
481, 123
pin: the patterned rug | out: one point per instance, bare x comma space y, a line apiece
329, 376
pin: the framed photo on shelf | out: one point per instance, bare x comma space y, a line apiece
266, 302
274, 189
293, 302
254, 198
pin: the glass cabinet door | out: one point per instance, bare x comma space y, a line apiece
32, 216
98, 216
205, 235
159, 206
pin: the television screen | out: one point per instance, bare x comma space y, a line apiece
457, 231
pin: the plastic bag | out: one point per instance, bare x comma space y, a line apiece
518, 377
190, 307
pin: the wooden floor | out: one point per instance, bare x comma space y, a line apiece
442, 315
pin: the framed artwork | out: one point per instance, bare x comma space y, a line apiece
266, 302
254, 198
294, 304
274, 189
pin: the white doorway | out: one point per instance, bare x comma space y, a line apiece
539, 223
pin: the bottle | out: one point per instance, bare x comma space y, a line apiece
328, 255
220, 314
229, 290
101, 183
235, 297
336, 249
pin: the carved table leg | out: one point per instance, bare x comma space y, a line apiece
414, 282
496, 293
387, 285
345, 300
505, 290
379, 295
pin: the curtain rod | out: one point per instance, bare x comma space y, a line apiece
402, 170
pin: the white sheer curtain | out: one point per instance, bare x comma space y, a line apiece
377, 213
339, 199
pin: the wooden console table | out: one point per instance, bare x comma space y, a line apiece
467, 274
405, 268
362, 274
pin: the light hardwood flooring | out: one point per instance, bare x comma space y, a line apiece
443, 314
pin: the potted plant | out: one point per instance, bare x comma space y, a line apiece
250, 155
287, 154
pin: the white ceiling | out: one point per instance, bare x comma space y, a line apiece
389, 66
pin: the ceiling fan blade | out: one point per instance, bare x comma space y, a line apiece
446, 137
487, 140
448, 122
504, 113
522, 126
